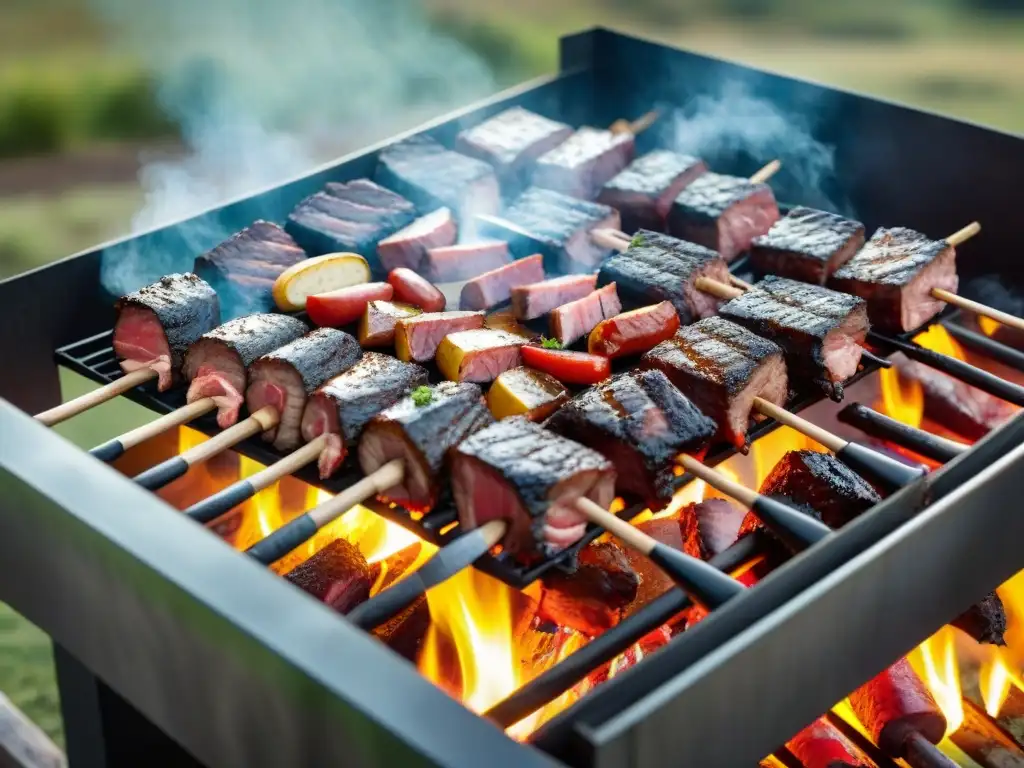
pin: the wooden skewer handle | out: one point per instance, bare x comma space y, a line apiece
98, 396
611, 239
717, 289
965, 234
979, 309
801, 425
114, 448
636, 127
766, 173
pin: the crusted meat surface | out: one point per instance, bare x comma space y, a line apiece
337, 575
495, 287
807, 244
643, 193
596, 596
582, 164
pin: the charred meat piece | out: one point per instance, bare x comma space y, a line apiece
554, 225
807, 244
408, 247
632, 333
657, 268
526, 392
370, 195
377, 326
820, 330
155, 325
595, 597
641, 423
244, 267
822, 745
511, 142
421, 433
582, 164
417, 338
985, 621
517, 471
337, 575
286, 377
576, 319
434, 177
537, 299
447, 264
725, 213
722, 367
342, 407
479, 355
895, 273
217, 364
495, 287
644, 192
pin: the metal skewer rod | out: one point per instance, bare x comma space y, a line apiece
89, 400
113, 449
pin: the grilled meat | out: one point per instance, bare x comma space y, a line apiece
417, 338
722, 367
511, 142
576, 319
377, 326
505, 320
725, 213
433, 177
582, 164
657, 268
554, 225
537, 299
155, 325
337, 575
461, 262
342, 407
408, 247
593, 598
479, 355
286, 377
644, 192
985, 621
820, 330
807, 244
895, 273
632, 333
421, 436
495, 287
217, 364
244, 267
822, 745
526, 392
640, 422
529, 476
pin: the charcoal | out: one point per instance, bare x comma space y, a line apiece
594, 598
985, 621
337, 575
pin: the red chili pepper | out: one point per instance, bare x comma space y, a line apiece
632, 333
345, 305
567, 366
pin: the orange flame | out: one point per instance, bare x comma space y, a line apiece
935, 660
902, 397
988, 325
995, 682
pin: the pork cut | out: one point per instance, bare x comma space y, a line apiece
479, 355
643, 193
495, 287
452, 263
408, 247
377, 325
582, 164
537, 299
572, 321
807, 244
337, 575
417, 338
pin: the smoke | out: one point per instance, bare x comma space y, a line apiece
263, 90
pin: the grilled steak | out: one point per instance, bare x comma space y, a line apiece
595, 597
526, 392
517, 471
641, 423
155, 325
417, 338
434, 177
895, 272
452, 263
243, 268
644, 192
820, 330
286, 377
408, 247
511, 142
657, 268
576, 319
421, 436
377, 326
807, 245
337, 575
725, 213
495, 287
342, 407
554, 225
722, 367
537, 299
478, 355
217, 364
582, 164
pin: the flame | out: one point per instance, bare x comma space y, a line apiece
1012, 595
937, 339
935, 660
988, 325
902, 397
189, 438
995, 681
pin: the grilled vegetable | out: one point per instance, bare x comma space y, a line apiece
414, 289
525, 392
633, 333
318, 275
478, 355
377, 328
345, 305
567, 366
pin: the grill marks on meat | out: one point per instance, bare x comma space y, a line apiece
409, 246
461, 262
556, 226
495, 287
644, 192
819, 329
417, 338
421, 437
537, 299
722, 367
725, 213
640, 422
337, 575
434, 177
807, 244
343, 406
657, 268
156, 324
217, 364
576, 319
895, 272
243, 268
582, 164
531, 477
286, 377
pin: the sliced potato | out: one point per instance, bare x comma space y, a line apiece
318, 275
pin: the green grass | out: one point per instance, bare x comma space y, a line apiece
26, 672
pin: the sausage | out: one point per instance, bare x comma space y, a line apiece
822, 745
633, 333
411, 288
345, 305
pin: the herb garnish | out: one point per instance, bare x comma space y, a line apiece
422, 395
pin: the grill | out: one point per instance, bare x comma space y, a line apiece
172, 649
